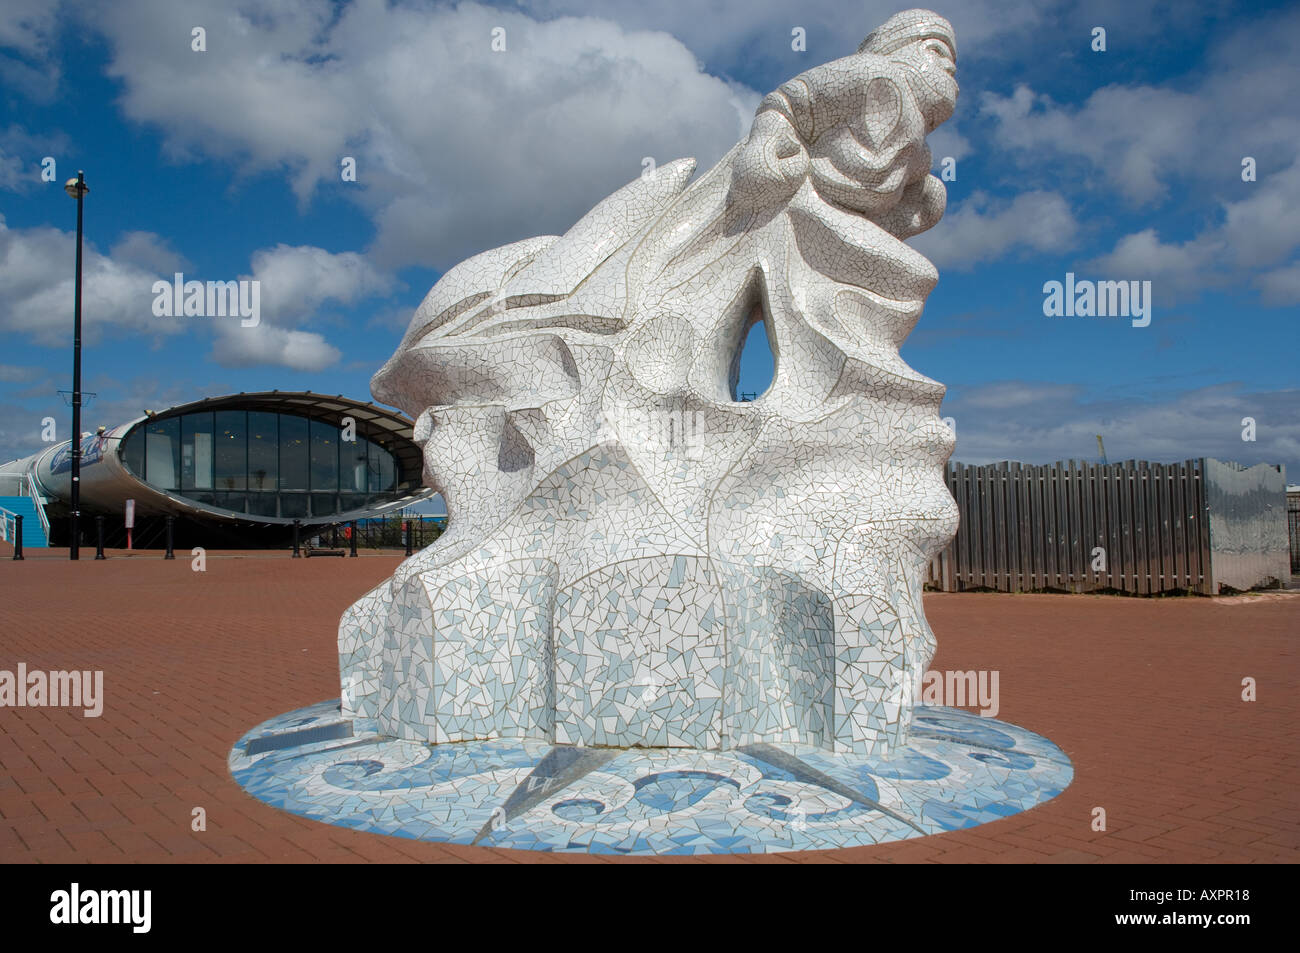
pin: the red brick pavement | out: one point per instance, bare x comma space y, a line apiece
1143, 694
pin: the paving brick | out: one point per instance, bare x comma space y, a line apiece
1138, 692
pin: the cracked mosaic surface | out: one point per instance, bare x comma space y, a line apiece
633, 555
958, 770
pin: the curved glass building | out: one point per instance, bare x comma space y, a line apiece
262, 458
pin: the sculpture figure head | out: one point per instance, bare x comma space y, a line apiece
857, 126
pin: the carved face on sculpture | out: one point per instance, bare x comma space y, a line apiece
856, 127
925, 44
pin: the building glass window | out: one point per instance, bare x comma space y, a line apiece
261, 463
234, 502
162, 452
353, 461
231, 458
196, 452
324, 456
133, 452
293, 453
293, 505
263, 504
263, 451
387, 474
381, 472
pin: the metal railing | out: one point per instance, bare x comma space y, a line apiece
39, 502
8, 525
380, 532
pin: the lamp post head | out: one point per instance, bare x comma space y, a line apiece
76, 187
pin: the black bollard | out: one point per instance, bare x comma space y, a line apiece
353, 534
406, 525
18, 537
297, 524
169, 554
99, 537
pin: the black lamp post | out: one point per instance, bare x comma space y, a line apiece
77, 188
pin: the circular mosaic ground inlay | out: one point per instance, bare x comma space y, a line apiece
958, 770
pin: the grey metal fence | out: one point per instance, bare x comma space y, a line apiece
1133, 527
1293, 530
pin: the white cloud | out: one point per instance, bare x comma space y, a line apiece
297, 280
37, 271
1264, 228
1136, 136
1140, 139
36, 294
947, 141
982, 229
27, 32
14, 374
1006, 395
1253, 234
1040, 423
20, 432
1174, 268
294, 283
732, 32
28, 25
12, 174
150, 252
237, 346
20, 158
1281, 287
458, 148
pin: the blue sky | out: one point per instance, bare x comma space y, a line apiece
1117, 165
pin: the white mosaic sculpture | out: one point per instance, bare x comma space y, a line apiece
633, 556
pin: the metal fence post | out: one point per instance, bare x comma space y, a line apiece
297, 524
169, 554
406, 529
18, 537
99, 537
353, 526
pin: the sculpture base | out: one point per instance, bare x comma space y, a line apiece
959, 770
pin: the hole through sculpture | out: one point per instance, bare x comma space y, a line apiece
661, 619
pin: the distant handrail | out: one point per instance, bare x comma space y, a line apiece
8, 519
39, 502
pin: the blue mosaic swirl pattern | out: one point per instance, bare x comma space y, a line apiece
958, 771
